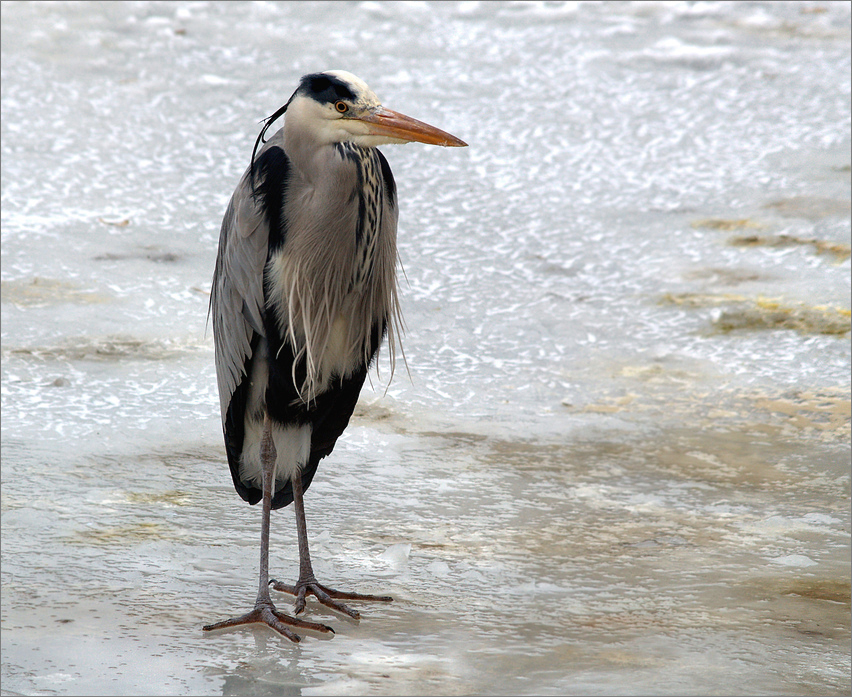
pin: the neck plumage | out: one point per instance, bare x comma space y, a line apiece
332, 284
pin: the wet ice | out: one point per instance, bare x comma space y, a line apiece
582, 487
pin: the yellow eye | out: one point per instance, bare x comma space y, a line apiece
341, 107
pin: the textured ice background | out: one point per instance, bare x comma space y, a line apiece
577, 484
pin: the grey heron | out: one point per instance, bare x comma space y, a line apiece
304, 292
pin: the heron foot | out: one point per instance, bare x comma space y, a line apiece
327, 596
265, 613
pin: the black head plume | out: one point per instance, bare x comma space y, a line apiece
267, 122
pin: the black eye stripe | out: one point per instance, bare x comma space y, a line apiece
326, 89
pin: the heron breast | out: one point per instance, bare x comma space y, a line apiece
339, 358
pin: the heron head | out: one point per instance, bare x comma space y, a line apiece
336, 106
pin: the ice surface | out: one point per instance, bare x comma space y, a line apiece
583, 482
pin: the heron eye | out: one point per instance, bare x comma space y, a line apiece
341, 107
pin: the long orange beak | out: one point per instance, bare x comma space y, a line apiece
384, 122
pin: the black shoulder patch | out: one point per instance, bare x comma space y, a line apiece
387, 176
273, 166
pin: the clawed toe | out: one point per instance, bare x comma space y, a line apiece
264, 613
327, 596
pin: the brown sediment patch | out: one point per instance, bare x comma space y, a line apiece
124, 222
839, 251
104, 348
701, 299
770, 314
832, 590
810, 207
123, 534
725, 277
168, 498
41, 292
150, 254
808, 409
727, 224
765, 313
691, 394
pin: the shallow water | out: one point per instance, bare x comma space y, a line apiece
616, 460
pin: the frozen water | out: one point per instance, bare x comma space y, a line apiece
618, 459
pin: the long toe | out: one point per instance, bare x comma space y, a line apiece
327, 596
267, 614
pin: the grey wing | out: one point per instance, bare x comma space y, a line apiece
236, 299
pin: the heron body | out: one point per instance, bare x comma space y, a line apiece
304, 292
326, 296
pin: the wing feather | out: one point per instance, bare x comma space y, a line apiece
237, 298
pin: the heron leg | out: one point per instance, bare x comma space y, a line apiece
307, 583
264, 611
